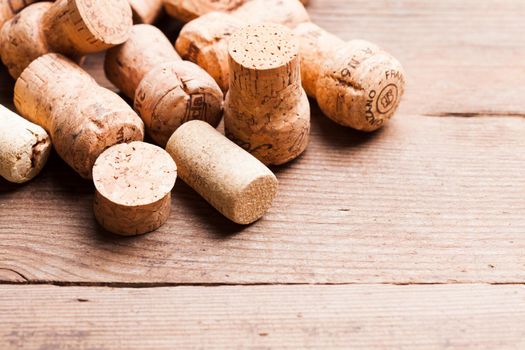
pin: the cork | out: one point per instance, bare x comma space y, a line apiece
133, 185
204, 40
70, 27
146, 11
266, 109
286, 12
356, 84
230, 179
9, 8
187, 10
24, 147
82, 118
167, 91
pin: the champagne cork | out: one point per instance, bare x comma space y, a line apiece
70, 27
167, 91
204, 40
133, 188
82, 118
356, 84
9, 8
187, 10
266, 109
24, 147
229, 178
145, 11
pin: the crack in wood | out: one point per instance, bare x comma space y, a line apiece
475, 114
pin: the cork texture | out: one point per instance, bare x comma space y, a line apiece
356, 84
9, 8
266, 109
167, 91
204, 40
146, 11
230, 179
70, 27
82, 118
133, 188
175, 93
187, 10
24, 147
127, 64
22, 40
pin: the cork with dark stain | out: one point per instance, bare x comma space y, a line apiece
230, 179
266, 109
356, 83
24, 147
133, 188
82, 118
70, 27
204, 40
167, 91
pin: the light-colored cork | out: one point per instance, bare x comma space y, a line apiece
127, 64
82, 118
356, 84
133, 185
167, 91
70, 27
146, 11
24, 147
266, 109
9, 8
187, 10
204, 40
286, 12
230, 179
22, 39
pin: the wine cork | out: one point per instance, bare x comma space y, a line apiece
70, 27
204, 40
356, 84
82, 118
133, 188
9, 8
167, 91
145, 11
286, 12
187, 10
230, 179
266, 109
24, 147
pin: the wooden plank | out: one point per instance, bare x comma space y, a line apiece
425, 200
460, 56
356, 317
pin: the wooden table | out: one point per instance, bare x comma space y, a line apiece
411, 237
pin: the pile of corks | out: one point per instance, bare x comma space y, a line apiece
253, 62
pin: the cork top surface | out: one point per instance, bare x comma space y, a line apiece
263, 46
109, 21
134, 174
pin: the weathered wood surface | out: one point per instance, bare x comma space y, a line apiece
262, 317
438, 196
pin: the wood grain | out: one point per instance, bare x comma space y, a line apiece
355, 317
425, 200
